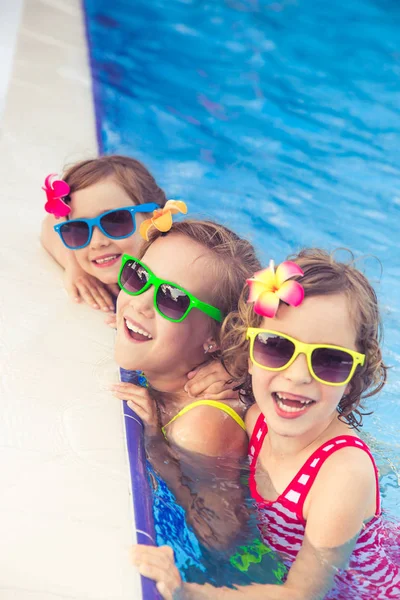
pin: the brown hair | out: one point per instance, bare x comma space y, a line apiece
129, 173
234, 259
323, 275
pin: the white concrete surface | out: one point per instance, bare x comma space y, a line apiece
65, 510
10, 14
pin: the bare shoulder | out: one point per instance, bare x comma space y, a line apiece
347, 475
349, 462
251, 418
209, 431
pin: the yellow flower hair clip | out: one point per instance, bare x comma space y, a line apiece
268, 287
162, 217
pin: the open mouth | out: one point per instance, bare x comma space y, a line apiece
106, 261
136, 333
289, 406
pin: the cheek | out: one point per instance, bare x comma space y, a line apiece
122, 301
131, 245
261, 379
81, 256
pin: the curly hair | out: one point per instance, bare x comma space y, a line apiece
323, 275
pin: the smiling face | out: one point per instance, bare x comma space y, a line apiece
293, 402
102, 256
146, 341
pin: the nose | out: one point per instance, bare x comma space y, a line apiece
144, 303
298, 372
99, 240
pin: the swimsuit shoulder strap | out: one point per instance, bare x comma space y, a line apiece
256, 441
302, 483
215, 404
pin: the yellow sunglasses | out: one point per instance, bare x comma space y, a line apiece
275, 351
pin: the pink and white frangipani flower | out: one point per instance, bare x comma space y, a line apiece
268, 287
56, 190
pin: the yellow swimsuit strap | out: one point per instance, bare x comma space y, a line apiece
220, 405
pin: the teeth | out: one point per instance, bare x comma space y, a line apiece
137, 329
100, 261
281, 397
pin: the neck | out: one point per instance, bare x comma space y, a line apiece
171, 390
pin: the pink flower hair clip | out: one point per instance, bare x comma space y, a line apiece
56, 190
268, 287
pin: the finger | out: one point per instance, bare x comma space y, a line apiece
107, 297
224, 395
73, 293
203, 369
98, 296
138, 410
168, 581
209, 383
87, 296
111, 321
164, 591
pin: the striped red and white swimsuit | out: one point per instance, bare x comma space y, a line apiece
371, 573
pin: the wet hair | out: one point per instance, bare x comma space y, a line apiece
323, 275
233, 260
130, 174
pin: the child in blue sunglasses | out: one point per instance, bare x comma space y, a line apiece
108, 198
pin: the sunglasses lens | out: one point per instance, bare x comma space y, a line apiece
330, 365
75, 234
272, 351
133, 277
172, 302
118, 223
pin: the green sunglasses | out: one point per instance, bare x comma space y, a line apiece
171, 301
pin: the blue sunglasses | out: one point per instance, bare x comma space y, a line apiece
115, 224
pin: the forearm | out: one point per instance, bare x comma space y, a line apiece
53, 245
192, 591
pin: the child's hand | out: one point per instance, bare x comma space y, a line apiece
140, 401
82, 286
211, 381
157, 563
111, 321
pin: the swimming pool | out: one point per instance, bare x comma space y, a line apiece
287, 111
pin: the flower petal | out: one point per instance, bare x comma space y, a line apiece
175, 206
267, 277
256, 288
291, 292
285, 271
144, 228
164, 222
60, 188
267, 304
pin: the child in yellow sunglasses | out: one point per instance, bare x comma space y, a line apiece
309, 361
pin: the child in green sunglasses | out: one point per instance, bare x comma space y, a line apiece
308, 361
169, 315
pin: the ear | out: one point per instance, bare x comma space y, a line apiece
210, 345
347, 389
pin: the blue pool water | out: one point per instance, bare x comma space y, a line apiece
280, 119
